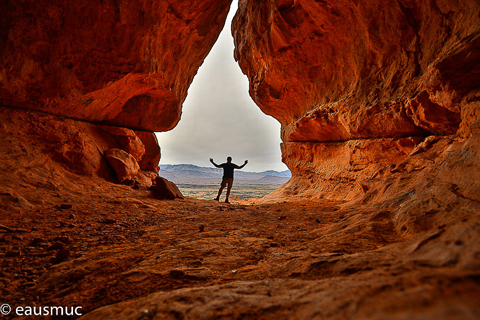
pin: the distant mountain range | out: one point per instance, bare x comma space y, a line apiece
189, 173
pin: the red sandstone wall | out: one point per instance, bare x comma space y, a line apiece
122, 63
336, 73
357, 86
337, 70
126, 63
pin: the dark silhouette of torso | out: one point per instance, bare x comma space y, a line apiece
228, 169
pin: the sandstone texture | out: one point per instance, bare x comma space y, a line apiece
164, 189
125, 63
133, 256
123, 163
129, 141
380, 113
152, 154
52, 149
345, 70
356, 85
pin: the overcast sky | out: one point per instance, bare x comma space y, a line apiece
219, 118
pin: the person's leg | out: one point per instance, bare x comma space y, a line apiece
222, 186
229, 187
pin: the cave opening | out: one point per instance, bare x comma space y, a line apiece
219, 118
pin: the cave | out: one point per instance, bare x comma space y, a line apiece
380, 123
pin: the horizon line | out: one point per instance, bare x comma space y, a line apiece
190, 164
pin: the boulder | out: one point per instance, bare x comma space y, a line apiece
127, 140
164, 189
123, 163
145, 179
152, 155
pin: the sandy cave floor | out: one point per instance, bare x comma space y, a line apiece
120, 230
99, 248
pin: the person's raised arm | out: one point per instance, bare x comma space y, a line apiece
216, 165
243, 165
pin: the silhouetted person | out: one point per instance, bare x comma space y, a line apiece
227, 180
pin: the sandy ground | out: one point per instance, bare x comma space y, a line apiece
94, 249
108, 234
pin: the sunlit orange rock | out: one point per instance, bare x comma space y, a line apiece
347, 67
126, 63
358, 73
76, 146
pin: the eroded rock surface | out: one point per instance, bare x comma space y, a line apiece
123, 163
381, 127
164, 189
346, 69
133, 256
126, 63
365, 75
44, 149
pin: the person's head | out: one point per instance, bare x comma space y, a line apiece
229, 159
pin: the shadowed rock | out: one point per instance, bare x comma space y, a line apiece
164, 189
123, 163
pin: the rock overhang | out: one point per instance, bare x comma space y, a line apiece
123, 63
347, 70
